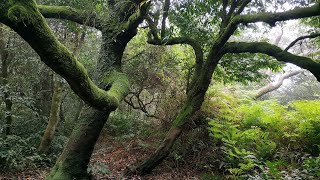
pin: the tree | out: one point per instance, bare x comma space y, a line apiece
53, 117
27, 19
275, 85
229, 15
118, 24
5, 61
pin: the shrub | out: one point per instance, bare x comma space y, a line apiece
17, 153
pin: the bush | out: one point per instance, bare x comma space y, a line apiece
266, 139
17, 153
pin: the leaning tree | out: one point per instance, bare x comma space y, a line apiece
118, 26
208, 27
118, 22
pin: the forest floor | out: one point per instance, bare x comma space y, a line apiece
111, 158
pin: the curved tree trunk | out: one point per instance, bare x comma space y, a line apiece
53, 118
194, 101
275, 85
73, 162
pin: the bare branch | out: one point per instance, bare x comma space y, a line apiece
141, 106
242, 6
314, 35
275, 85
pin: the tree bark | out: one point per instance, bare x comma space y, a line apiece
275, 85
74, 160
53, 117
203, 71
26, 19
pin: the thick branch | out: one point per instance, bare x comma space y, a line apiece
183, 40
275, 85
242, 6
71, 14
314, 35
269, 18
276, 52
137, 17
26, 20
272, 18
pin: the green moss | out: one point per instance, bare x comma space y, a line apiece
183, 116
21, 10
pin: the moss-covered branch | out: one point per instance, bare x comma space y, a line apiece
276, 52
24, 17
137, 17
182, 40
71, 14
272, 18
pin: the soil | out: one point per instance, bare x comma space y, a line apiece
111, 158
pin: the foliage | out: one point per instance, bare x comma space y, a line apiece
126, 126
18, 153
265, 136
99, 168
312, 166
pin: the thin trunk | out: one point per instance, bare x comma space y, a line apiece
53, 118
55, 111
275, 85
162, 152
8, 115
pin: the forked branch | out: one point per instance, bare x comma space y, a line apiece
276, 52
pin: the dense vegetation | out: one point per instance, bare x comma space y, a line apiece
162, 89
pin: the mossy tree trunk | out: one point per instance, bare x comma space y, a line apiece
53, 117
26, 18
231, 18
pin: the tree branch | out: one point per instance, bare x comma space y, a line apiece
137, 17
164, 18
71, 14
242, 6
27, 21
276, 52
275, 85
314, 35
183, 40
272, 18
141, 105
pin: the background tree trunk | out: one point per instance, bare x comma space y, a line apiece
4, 56
275, 85
53, 117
